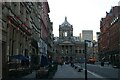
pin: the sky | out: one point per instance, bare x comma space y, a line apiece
82, 14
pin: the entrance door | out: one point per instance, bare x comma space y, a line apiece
0, 60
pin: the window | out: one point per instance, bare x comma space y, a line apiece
65, 33
76, 51
83, 51
79, 51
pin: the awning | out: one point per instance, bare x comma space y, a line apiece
19, 57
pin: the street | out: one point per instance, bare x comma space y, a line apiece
106, 71
103, 71
66, 71
93, 72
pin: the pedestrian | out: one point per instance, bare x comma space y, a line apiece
61, 64
108, 63
102, 63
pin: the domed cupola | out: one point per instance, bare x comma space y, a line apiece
66, 23
65, 29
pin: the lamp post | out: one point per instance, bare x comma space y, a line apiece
85, 42
119, 44
93, 44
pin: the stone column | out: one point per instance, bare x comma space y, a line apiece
61, 49
28, 19
69, 51
17, 42
73, 48
24, 14
24, 45
8, 41
11, 30
17, 8
14, 41
64, 50
29, 47
0, 57
21, 48
0, 43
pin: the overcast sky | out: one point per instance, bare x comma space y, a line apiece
82, 14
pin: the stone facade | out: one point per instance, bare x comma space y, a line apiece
24, 25
16, 33
67, 45
87, 35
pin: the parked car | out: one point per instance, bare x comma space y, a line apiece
91, 61
66, 62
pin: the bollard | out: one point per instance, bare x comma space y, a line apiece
75, 67
80, 69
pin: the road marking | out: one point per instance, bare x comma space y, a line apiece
94, 74
107, 67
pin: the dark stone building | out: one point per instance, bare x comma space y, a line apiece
67, 45
26, 35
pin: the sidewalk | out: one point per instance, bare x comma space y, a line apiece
32, 75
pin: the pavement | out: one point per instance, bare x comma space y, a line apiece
30, 76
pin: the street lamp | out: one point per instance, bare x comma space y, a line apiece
85, 42
93, 45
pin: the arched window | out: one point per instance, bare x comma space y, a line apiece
65, 33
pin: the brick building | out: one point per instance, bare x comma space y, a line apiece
109, 38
